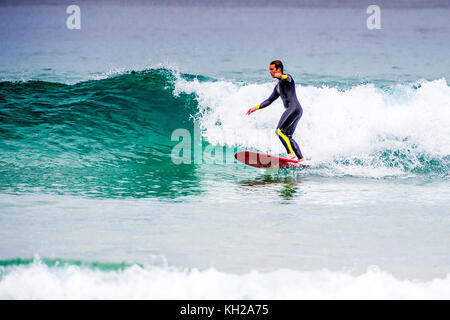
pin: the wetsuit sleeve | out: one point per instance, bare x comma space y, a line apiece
269, 100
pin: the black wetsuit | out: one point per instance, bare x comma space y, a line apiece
285, 89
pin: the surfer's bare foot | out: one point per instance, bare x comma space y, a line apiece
291, 156
301, 159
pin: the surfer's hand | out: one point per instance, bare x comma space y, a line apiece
250, 111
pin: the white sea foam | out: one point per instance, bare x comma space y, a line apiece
39, 281
337, 125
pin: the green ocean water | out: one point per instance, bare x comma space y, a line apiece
108, 138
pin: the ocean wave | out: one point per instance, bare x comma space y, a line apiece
403, 128
61, 279
108, 121
108, 136
96, 135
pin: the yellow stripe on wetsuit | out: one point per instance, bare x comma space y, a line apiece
285, 139
257, 107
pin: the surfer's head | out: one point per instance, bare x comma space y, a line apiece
276, 66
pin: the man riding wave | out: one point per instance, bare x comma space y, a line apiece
285, 89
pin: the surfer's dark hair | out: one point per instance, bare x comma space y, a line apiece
278, 64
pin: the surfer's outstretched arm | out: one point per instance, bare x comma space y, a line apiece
269, 100
266, 102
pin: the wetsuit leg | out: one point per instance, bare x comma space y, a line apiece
286, 127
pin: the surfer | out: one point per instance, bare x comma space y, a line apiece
288, 121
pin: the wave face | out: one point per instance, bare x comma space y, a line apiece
63, 279
91, 137
104, 122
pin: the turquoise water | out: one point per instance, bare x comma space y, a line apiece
94, 205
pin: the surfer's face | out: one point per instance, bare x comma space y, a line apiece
273, 71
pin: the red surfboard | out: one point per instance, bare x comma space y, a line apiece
266, 161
